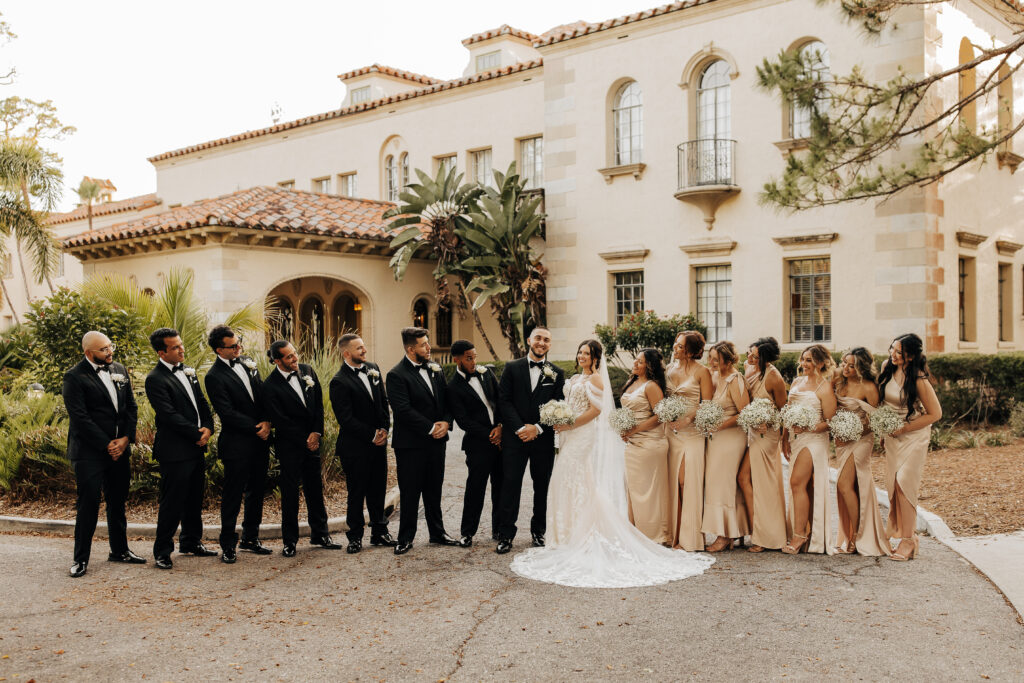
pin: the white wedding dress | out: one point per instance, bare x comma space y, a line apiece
590, 541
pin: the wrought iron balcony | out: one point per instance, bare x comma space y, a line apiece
707, 174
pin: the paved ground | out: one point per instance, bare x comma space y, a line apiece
1001, 557
448, 613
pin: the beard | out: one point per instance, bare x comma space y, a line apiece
421, 357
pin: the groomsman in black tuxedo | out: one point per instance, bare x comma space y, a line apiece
416, 389
184, 426
361, 406
295, 404
235, 390
473, 396
101, 408
526, 385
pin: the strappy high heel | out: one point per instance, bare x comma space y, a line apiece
850, 549
791, 549
726, 544
913, 551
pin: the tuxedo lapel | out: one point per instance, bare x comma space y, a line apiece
88, 370
237, 380
181, 390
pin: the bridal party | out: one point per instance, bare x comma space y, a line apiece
707, 453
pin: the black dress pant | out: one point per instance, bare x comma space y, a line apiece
182, 485
420, 473
302, 470
540, 456
244, 479
95, 478
482, 464
366, 477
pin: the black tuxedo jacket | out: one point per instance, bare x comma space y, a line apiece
239, 414
176, 417
520, 404
416, 409
360, 414
292, 421
94, 422
470, 412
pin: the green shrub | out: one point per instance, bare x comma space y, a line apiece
33, 433
978, 388
994, 439
1016, 421
646, 329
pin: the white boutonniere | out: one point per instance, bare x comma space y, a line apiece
309, 381
190, 373
433, 367
117, 378
373, 374
249, 364
548, 371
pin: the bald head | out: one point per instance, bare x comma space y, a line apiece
98, 348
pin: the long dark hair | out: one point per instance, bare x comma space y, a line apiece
595, 353
767, 352
915, 367
655, 369
864, 364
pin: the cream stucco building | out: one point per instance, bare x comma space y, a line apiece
650, 141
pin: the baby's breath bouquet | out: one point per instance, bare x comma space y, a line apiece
708, 418
846, 426
556, 413
885, 421
799, 415
760, 411
671, 408
622, 420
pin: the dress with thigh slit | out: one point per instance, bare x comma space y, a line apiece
819, 520
770, 527
904, 454
870, 538
725, 513
647, 471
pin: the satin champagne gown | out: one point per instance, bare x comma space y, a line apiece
647, 471
725, 513
870, 538
819, 519
770, 524
686, 451
904, 456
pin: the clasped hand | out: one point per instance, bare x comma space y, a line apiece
527, 433
116, 447
204, 436
380, 437
440, 430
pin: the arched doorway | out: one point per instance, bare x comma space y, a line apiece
311, 332
346, 312
313, 311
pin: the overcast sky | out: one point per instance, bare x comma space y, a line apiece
139, 78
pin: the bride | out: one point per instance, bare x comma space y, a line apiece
591, 543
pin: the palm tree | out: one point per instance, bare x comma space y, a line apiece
88, 191
434, 215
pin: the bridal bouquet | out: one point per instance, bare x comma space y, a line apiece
622, 420
757, 413
885, 421
556, 413
799, 415
671, 408
708, 418
846, 426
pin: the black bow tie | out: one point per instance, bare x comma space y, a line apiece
178, 368
362, 368
103, 368
293, 374
234, 362
536, 364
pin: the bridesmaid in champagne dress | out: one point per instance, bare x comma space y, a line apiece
761, 471
807, 451
646, 448
725, 514
904, 385
691, 380
860, 523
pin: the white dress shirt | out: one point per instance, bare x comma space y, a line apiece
188, 388
364, 378
243, 375
535, 375
294, 383
477, 384
425, 374
107, 382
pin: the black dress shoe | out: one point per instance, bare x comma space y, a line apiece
199, 550
254, 547
403, 548
538, 540
325, 542
127, 556
466, 541
288, 550
354, 546
384, 539
228, 556
504, 545
163, 563
78, 569
444, 540
495, 536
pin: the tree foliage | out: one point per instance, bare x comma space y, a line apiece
646, 329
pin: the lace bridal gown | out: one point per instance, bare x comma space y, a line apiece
590, 542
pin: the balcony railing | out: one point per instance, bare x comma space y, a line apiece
707, 162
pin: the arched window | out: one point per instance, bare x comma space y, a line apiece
420, 314
714, 124
344, 316
443, 336
390, 180
967, 85
311, 318
628, 124
403, 163
816, 60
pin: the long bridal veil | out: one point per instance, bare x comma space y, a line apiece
602, 549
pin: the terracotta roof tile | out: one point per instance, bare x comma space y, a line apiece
143, 201
576, 30
389, 71
104, 183
503, 30
354, 109
273, 209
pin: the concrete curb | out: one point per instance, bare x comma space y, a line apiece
66, 527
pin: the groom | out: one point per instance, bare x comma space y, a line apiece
526, 385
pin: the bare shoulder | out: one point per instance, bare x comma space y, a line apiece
596, 381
